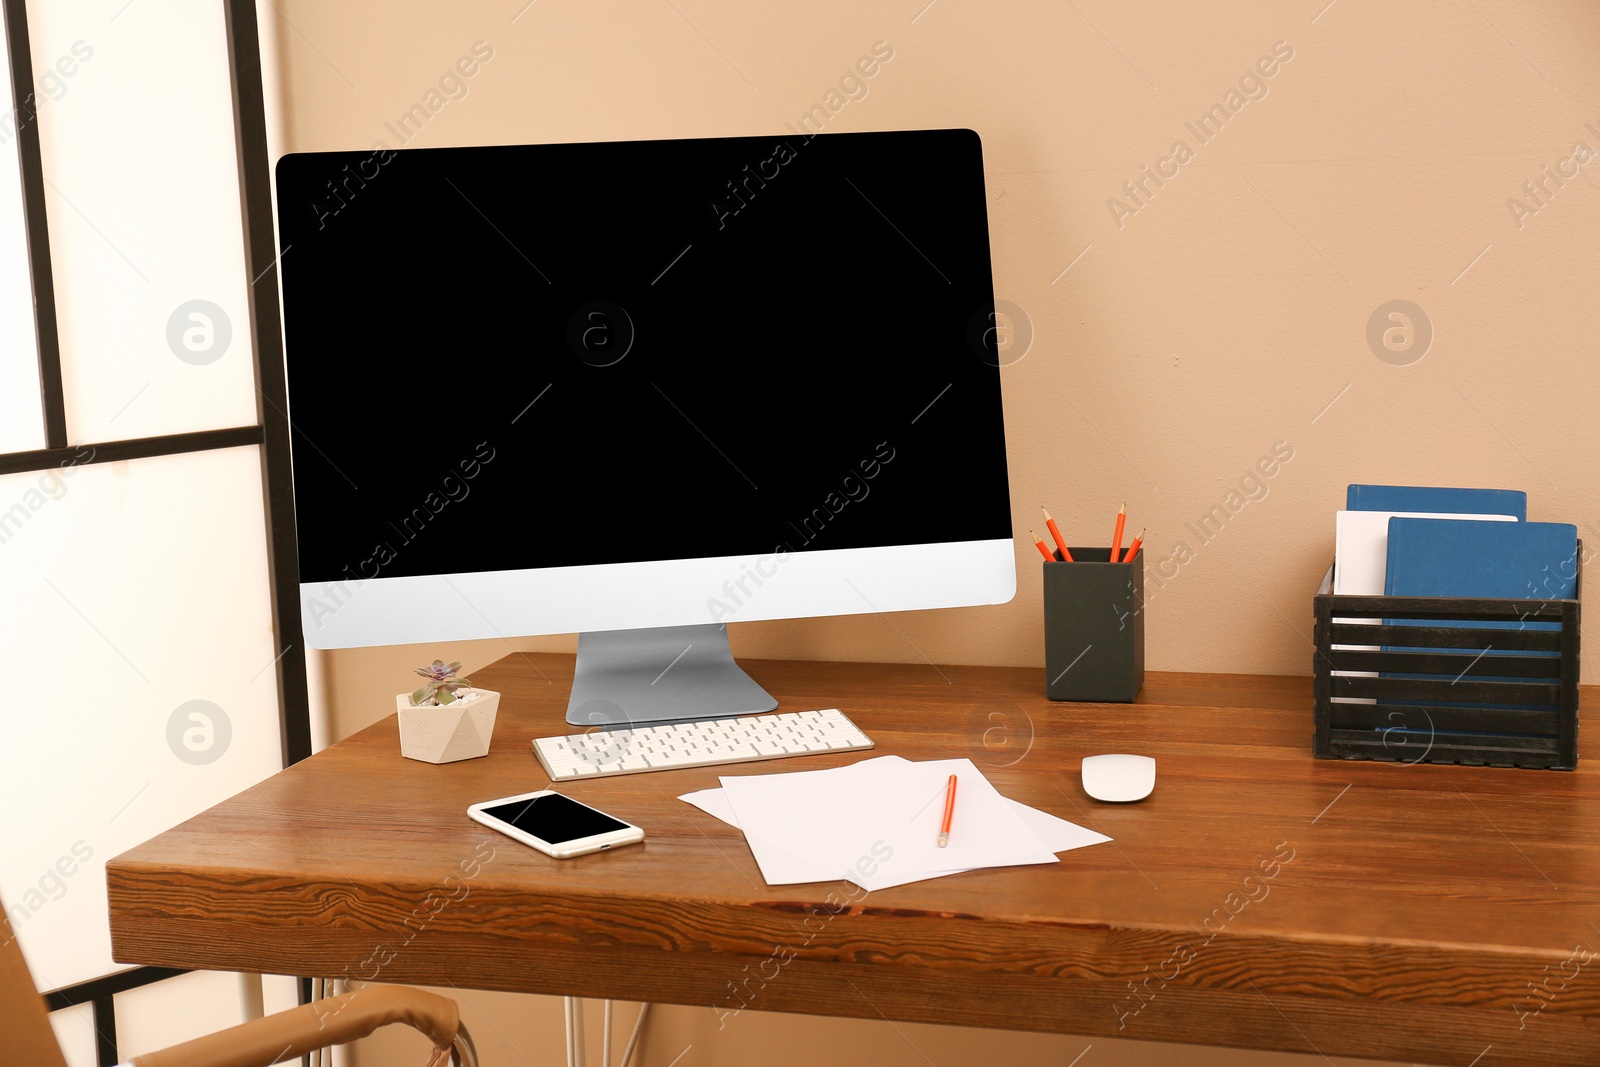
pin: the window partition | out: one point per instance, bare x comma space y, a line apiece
147, 551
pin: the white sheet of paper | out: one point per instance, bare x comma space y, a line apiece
865, 822
1057, 834
785, 868
778, 865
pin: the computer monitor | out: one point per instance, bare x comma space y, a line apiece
640, 391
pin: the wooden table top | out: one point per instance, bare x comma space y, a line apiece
1259, 898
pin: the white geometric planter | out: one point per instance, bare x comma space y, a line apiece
456, 731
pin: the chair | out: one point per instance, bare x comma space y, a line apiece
28, 1038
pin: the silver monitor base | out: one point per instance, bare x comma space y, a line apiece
661, 674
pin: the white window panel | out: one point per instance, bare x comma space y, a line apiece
176, 1010
279, 992
74, 1029
166, 1013
142, 194
21, 418
133, 590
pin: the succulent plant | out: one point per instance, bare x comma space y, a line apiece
442, 683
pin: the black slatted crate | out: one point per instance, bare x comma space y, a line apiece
1446, 692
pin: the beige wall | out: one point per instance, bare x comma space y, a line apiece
1221, 318
1224, 316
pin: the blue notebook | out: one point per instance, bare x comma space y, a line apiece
1427, 498
1468, 558
1464, 557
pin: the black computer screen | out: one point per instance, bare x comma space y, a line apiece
530, 356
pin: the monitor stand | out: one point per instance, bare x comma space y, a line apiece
660, 674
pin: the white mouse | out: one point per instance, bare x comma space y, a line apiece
1119, 777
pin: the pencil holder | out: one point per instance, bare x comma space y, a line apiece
1094, 627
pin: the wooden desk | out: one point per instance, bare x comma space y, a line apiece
1390, 911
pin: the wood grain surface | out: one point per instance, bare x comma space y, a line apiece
1259, 898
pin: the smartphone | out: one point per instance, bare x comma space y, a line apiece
555, 824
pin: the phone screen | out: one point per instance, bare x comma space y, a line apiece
555, 818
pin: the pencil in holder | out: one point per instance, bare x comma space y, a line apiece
1094, 627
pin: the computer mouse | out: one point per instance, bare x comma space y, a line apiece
1119, 777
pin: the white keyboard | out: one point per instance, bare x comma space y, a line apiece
707, 743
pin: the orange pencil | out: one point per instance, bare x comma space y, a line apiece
1038, 542
949, 812
1116, 538
1133, 549
1055, 531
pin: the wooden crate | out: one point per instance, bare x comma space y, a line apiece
1446, 692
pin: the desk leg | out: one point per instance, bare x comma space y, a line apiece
633, 1039
318, 991
575, 1049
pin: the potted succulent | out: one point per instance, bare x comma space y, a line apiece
447, 719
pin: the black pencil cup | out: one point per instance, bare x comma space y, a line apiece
1094, 627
